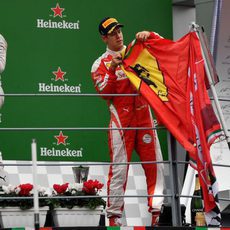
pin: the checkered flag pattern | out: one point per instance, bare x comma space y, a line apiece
135, 210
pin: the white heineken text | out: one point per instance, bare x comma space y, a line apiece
61, 152
58, 25
43, 87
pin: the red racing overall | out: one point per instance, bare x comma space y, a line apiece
128, 111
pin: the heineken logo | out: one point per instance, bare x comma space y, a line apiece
56, 86
51, 88
52, 152
59, 74
57, 13
61, 138
59, 151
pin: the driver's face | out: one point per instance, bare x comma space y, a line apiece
114, 40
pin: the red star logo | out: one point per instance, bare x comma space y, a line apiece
61, 138
59, 74
57, 10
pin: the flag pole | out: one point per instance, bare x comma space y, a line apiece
210, 72
36, 203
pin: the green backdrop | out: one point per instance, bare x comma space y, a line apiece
37, 50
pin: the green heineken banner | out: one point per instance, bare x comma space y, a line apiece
51, 48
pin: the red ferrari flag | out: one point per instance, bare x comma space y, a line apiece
207, 129
158, 69
171, 76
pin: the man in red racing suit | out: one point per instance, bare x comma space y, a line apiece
126, 112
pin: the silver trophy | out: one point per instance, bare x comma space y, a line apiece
80, 174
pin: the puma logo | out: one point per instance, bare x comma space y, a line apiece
3, 178
126, 109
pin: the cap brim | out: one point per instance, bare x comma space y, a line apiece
112, 29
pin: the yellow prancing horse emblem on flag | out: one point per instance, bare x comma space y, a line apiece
144, 74
147, 69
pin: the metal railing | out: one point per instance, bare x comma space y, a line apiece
172, 162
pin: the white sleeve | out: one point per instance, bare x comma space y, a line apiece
3, 49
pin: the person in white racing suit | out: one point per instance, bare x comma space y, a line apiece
3, 50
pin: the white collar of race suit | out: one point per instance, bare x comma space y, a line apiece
114, 52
